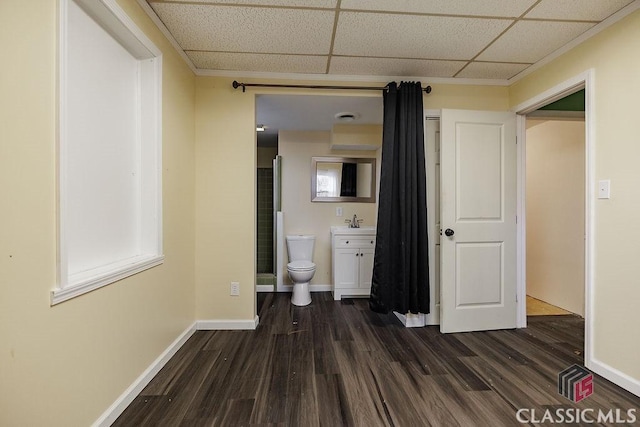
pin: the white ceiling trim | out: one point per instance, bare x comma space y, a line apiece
619, 15
349, 78
154, 17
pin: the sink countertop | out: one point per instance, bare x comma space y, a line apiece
345, 229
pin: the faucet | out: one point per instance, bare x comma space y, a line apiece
354, 223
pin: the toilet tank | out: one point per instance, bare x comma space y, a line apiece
300, 247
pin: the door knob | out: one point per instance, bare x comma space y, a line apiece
449, 232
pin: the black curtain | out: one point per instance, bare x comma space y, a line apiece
401, 270
349, 182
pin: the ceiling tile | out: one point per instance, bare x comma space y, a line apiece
378, 37
584, 10
530, 41
288, 3
394, 67
491, 70
244, 29
406, 36
507, 8
259, 62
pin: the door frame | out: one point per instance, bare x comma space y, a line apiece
433, 318
584, 81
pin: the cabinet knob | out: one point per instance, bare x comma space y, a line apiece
347, 242
356, 254
372, 242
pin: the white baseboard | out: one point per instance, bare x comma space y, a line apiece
410, 320
222, 325
615, 376
420, 319
312, 288
433, 318
125, 399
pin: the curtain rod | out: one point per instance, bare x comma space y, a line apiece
236, 85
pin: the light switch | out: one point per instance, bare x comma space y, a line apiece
604, 189
338, 211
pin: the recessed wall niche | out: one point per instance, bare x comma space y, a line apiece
109, 148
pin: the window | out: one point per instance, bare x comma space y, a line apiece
109, 149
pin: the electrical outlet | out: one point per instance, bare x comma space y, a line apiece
235, 289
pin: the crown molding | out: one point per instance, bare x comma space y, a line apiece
348, 78
164, 30
619, 15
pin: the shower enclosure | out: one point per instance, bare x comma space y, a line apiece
268, 206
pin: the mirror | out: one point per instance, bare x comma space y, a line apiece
342, 179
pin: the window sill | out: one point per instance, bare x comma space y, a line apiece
88, 281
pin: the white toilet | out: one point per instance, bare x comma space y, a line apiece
301, 267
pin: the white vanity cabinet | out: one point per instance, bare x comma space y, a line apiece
352, 251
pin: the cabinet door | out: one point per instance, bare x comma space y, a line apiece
346, 268
366, 268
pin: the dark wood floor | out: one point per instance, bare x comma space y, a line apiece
337, 363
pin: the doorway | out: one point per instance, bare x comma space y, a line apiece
299, 127
568, 87
555, 207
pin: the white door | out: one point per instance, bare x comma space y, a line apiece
478, 220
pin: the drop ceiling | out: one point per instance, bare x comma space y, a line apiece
453, 39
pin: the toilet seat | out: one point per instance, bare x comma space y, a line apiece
301, 266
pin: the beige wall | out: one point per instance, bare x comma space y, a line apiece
555, 212
612, 56
225, 200
266, 156
65, 365
226, 152
468, 97
301, 216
